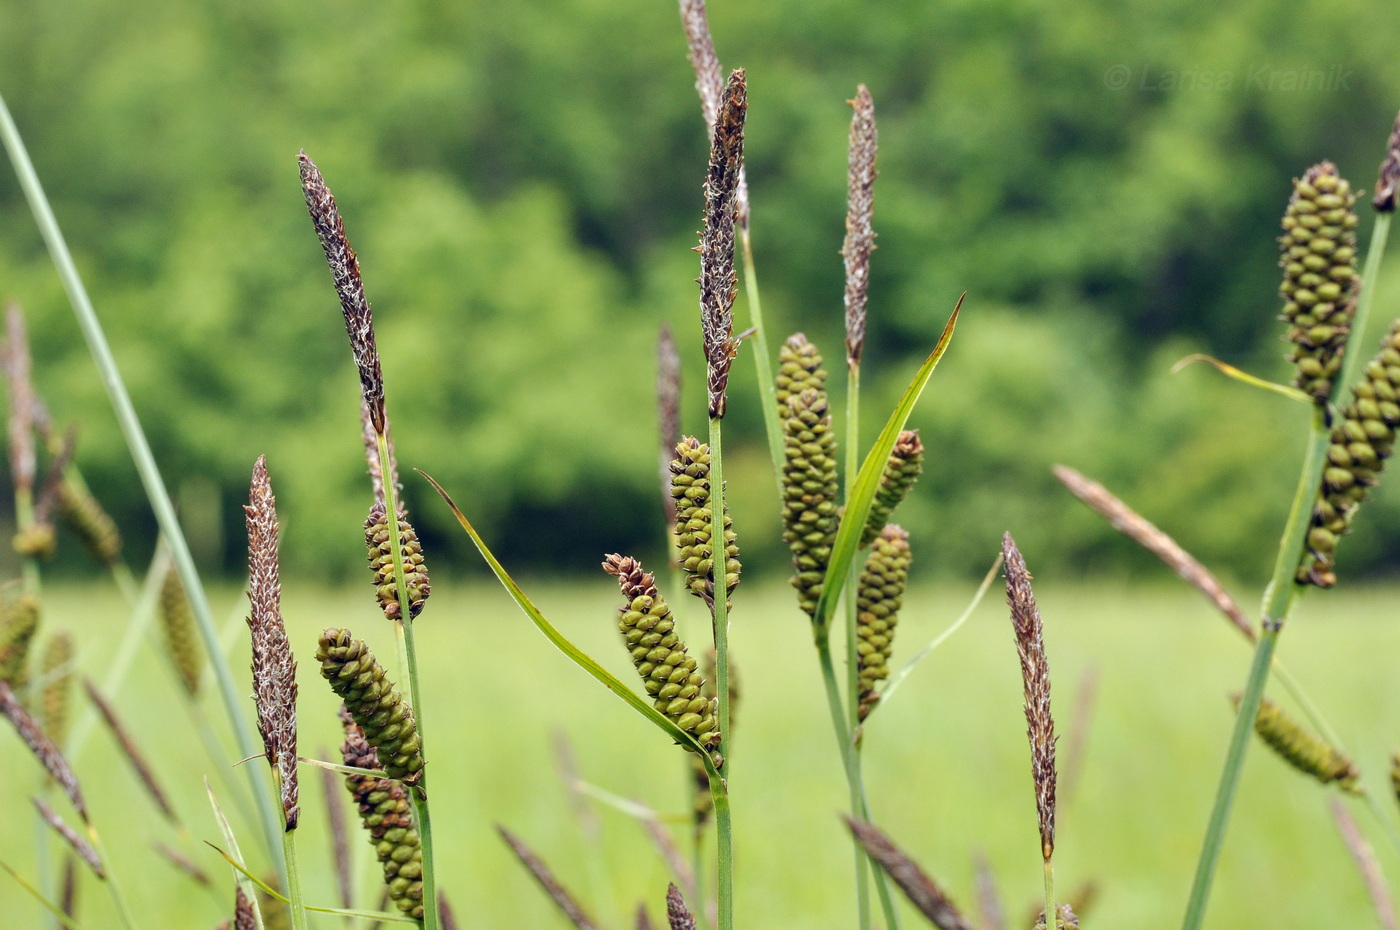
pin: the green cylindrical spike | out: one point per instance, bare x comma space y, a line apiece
16, 633
1362, 439
84, 516
905, 464
36, 541
810, 514
388, 816
690, 487
363, 685
880, 595
1319, 276
181, 637
57, 669
668, 673
381, 561
1305, 751
799, 368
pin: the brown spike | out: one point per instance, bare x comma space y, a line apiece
1388, 183
717, 279
922, 891
1035, 676
274, 668
557, 893
73, 838
860, 209
45, 751
144, 774
677, 914
345, 270
184, 863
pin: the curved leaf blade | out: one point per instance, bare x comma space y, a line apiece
562, 643
867, 482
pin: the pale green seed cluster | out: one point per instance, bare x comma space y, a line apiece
385, 716
381, 562
387, 815
1305, 751
879, 597
902, 469
690, 487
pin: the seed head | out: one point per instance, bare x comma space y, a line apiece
86, 518
72, 837
1035, 677
677, 914
381, 562
1388, 183
1320, 284
923, 892
717, 279
694, 527
345, 271
356, 675
387, 815
860, 209
709, 83
57, 668
880, 594
902, 469
181, 638
17, 629
1305, 751
43, 748
274, 668
144, 773
810, 491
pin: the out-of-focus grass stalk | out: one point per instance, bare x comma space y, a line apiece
144, 461
409, 659
1282, 593
768, 399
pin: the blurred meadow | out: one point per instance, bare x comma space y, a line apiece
522, 185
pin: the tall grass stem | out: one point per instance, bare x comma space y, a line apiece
852, 711
724, 875
1051, 918
289, 853
140, 451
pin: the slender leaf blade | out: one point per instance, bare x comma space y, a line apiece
867, 482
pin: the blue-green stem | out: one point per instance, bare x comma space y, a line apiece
768, 398
289, 853
408, 657
724, 874
145, 463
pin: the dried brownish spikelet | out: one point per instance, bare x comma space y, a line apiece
445, 915
810, 491
902, 469
1305, 751
381, 562
371, 441
388, 816
57, 673
345, 270
643, 921
694, 526
86, 519
1362, 439
72, 837
879, 595
356, 675
68, 898
709, 84
989, 906
1132, 525
921, 890
244, 917
860, 209
668, 673
668, 412
717, 280
43, 748
144, 773
677, 914
1320, 284
21, 422
21, 620
274, 668
1388, 183
181, 637
546, 880
1065, 918
340, 842
1035, 676
1365, 858
182, 862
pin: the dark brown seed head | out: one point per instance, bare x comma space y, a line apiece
545, 877
1035, 676
345, 271
923, 892
1388, 183
709, 83
274, 668
43, 748
677, 914
144, 773
717, 279
860, 209
371, 440
73, 838
244, 917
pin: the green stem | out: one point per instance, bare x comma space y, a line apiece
144, 461
1279, 598
408, 657
767, 391
1051, 918
853, 774
294, 901
724, 874
882, 885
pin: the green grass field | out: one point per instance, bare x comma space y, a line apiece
947, 764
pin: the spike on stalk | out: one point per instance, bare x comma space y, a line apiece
709, 83
144, 773
72, 837
43, 748
860, 210
356, 675
902, 470
717, 278
677, 914
1388, 183
388, 817
274, 668
381, 562
1035, 676
922, 891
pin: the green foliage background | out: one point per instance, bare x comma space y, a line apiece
522, 182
